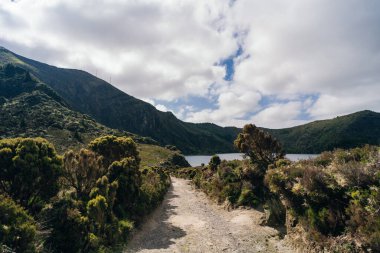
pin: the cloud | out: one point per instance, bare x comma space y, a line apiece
157, 49
312, 47
159, 107
289, 61
232, 108
279, 115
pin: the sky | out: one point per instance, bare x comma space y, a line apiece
273, 63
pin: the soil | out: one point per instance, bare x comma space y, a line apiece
187, 221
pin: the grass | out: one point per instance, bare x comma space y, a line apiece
152, 155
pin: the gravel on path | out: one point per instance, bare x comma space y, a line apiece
187, 221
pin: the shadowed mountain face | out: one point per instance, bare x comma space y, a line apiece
90, 95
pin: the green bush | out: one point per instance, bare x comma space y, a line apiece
69, 226
364, 220
104, 195
155, 183
333, 195
128, 177
187, 173
247, 197
30, 171
214, 162
88, 201
114, 148
275, 211
81, 171
262, 148
17, 228
179, 160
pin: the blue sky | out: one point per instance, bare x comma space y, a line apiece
275, 63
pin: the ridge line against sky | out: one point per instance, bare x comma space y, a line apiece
275, 63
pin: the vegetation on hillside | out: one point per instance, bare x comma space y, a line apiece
350, 131
89, 198
86, 201
239, 182
109, 106
30, 108
330, 203
115, 109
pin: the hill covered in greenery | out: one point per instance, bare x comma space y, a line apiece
113, 108
347, 131
29, 108
86, 200
89, 95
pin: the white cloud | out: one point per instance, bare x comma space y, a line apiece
361, 98
233, 105
161, 108
279, 115
325, 48
149, 48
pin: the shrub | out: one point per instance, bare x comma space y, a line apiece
155, 183
97, 209
333, 195
247, 196
128, 177
126, 227
114, 148
275, 211
17, 228
214, 162
324, 159
81, 171
30, 171
364, 221
178, 160
259, 146
69, 226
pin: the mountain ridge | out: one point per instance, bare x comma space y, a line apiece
29, 108
347, 131
108, 105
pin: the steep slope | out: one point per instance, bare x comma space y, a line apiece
348, 131
88, 94
29, 108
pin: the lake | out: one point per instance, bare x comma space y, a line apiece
197, 160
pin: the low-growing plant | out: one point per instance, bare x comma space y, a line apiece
89, 201
18, 230
335, 195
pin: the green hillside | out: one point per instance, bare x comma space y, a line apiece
348, 131
87, 94
29, 108
90, 95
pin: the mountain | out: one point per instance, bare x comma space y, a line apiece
353, 130
29, 108
76, 90
113, 108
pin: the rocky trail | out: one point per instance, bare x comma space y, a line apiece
187, 221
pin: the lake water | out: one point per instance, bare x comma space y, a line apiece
197, 160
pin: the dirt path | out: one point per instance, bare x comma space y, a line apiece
188, 222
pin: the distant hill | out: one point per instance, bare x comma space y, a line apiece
90, 95
348, 131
